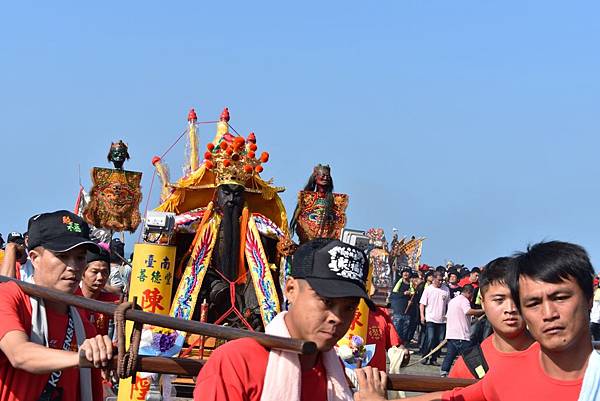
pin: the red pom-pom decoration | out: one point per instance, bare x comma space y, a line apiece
240, 140
235, 157
258, 169
155, 160
225, 115
237, 147
251, 155
207, 155
223, 145
264, 157
210, 146
209, 164
248, 168
226, 163
229, 151
253, 147
252, 137
192, 115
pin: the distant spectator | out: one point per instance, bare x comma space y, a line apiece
428, 278
458, 326
413, 309
118, 281
453, 283
433, 314
472, 278
401, 298
595, 313
15, 258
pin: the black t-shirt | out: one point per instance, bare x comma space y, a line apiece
398, 300
454, 290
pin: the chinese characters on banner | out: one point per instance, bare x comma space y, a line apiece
359, 326
151, 283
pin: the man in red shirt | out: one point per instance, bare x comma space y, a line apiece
93, 280
381, 332
37, 338
472, 278
327, 282
510, 337
553, 287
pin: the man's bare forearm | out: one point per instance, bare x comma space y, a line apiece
35, 358
9, 263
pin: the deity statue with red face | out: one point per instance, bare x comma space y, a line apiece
320, 213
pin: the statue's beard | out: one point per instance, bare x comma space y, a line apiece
229, 246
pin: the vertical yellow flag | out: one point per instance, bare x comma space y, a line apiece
152, 283
359, 326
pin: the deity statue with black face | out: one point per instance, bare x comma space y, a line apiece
117, 154
228, 224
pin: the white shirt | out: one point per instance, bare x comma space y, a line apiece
590, 388
435, 301
458, 323
595, 313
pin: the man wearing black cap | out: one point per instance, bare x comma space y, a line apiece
37, 336
93, 280
15, 256
327, 283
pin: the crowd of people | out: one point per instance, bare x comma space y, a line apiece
436, 305
541, 308
538, 304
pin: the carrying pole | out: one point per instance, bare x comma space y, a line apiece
189, 326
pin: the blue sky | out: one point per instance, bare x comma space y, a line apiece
474, 124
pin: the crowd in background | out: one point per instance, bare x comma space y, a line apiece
430, 305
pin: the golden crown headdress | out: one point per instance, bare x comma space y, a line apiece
233, 159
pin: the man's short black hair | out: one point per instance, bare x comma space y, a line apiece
476, 270
553, 262
496, 272
438, 274
467, 289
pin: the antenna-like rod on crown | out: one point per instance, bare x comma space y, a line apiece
192, 118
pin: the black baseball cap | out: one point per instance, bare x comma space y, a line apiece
333, 268
102, 256
117, 248
59, 231
15, 237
